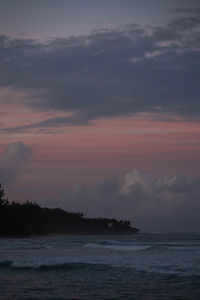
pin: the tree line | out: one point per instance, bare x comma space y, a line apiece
28, 219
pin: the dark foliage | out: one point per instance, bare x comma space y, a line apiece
30, 219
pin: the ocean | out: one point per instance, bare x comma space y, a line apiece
141, 266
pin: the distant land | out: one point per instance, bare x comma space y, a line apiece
29, 219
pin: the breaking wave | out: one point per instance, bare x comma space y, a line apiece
144, 247
7, 264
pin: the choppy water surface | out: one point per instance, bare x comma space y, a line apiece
143, 266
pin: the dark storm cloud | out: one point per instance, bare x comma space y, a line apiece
108, 73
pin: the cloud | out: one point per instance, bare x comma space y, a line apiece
188, 10
108, 73
12, 161
171, 203
72, 120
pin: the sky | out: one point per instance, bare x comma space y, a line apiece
100, 108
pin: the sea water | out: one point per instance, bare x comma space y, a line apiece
140, 266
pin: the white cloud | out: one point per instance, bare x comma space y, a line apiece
152, 54
171, 203
135, 178
12, 160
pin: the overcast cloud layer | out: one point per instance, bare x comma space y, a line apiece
109, 73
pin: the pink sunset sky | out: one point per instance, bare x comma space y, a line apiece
100, 108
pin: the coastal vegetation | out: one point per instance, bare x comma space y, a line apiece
28, 219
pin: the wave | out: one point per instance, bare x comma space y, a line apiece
95, 267
143, 247
12, 265
118, 247
27, 247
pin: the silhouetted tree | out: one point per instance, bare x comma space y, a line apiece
28, 218
3, 202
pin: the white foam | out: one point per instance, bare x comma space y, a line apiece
119, 247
